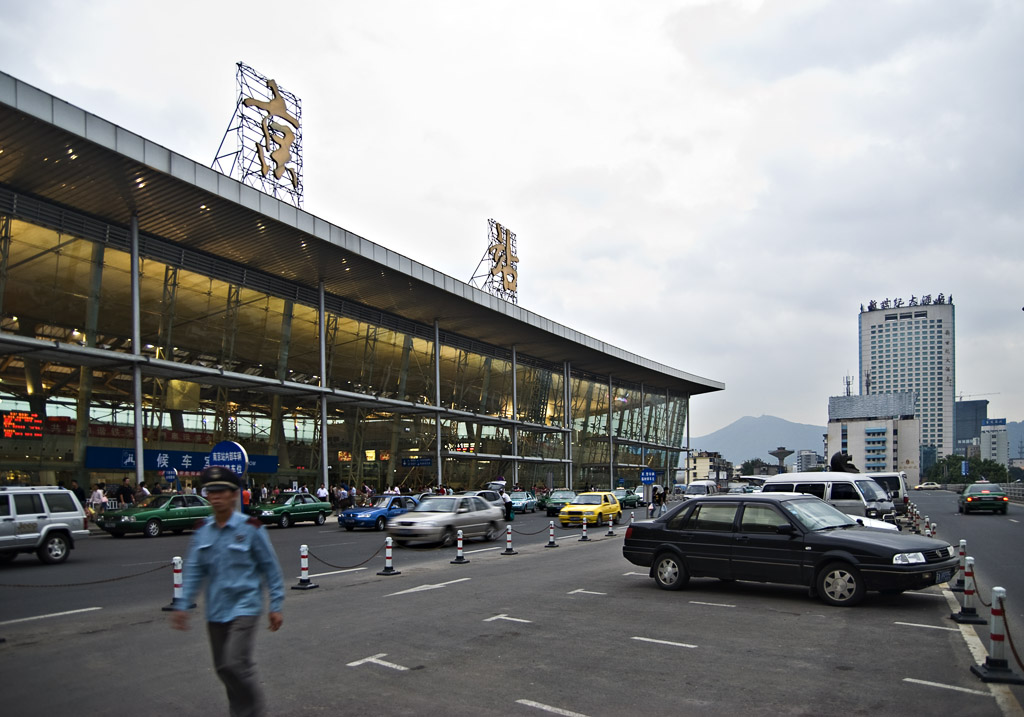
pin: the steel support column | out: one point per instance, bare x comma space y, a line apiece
322, 326
515, 417
567, 421
5, 256
92, 314
437, 401
137, 352
277, 441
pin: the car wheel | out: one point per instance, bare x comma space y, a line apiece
617, 518
154, 529
379, 525
286, 521
320, 518
447, 537
840, 584
600, 520
669, 573
54, 549
493, 531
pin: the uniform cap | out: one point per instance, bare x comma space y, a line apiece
220, 478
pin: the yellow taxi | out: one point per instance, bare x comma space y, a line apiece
596, 507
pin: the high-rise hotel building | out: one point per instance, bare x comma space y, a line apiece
911, 347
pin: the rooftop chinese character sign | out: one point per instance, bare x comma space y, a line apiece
263, 144
498, 270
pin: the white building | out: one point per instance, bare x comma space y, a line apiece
994, 444
912, 348
879, 433
808, 460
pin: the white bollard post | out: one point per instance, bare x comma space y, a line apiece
460, 559
508, 542
304, 582
551, 535
584, 538
388, 565
178, 595
968, 614
959, 587
996, 668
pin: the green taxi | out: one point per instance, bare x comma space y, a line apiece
627, 498
555, 501
289, 508
155, 514
983, 496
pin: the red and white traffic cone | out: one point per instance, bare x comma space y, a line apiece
968, 614
584, 538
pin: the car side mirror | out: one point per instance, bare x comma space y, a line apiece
463, 510
785, 529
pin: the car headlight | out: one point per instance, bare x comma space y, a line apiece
588, 512
363, 515
907, 558
128, 518
872, 513
427, 524
267, 512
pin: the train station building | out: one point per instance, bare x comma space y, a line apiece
152, 307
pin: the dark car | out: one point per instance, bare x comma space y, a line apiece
557, 500
983, 496
785, 538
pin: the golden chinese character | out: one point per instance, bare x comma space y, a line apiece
503, 258
275, 133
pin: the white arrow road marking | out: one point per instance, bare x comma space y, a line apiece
421, 588
504, 616
584, 592
712, 604
643, 575
662, 642
948, 687
377, 661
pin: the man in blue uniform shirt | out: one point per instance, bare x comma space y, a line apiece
233, 556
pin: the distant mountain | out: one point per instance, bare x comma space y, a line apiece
751, 437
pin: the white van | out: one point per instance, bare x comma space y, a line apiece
852, 493
698, 487
895, 485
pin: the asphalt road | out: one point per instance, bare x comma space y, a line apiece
576, 628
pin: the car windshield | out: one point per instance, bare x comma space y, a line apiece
816, 514
520, 496
871, 490
696, 489
153, 501
562, 495
380, 501
436, 505
587, 500
621, 493
279, 499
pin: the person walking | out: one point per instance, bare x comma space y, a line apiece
231, 555
507, 502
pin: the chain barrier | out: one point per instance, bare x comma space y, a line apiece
345, 567
536, 532
91, 582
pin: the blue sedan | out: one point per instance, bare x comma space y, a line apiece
377, 514
523, 501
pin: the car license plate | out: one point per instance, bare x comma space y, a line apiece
943, 576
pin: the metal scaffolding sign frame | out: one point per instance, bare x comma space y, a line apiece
498, 270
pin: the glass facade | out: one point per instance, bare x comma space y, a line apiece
232, 360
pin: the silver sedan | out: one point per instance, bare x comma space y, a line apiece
438, 518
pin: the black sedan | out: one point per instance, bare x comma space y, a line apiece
785, 538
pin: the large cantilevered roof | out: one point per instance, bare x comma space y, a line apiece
54, 151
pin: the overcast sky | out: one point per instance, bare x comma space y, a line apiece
717, 186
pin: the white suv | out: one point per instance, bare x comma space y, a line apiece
44, 520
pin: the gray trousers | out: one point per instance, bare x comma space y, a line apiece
232, 644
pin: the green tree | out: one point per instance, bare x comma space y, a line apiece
948, 470
753, 467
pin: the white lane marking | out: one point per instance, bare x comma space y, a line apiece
504, 616
375, 659
1012, 520
480, 550
662, 642
712, 604
52, 614
421, 588
549, 708
948, 687
336, 572
584, 592
930, 627
643, 575
918, 593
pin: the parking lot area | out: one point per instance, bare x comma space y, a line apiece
571, 630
